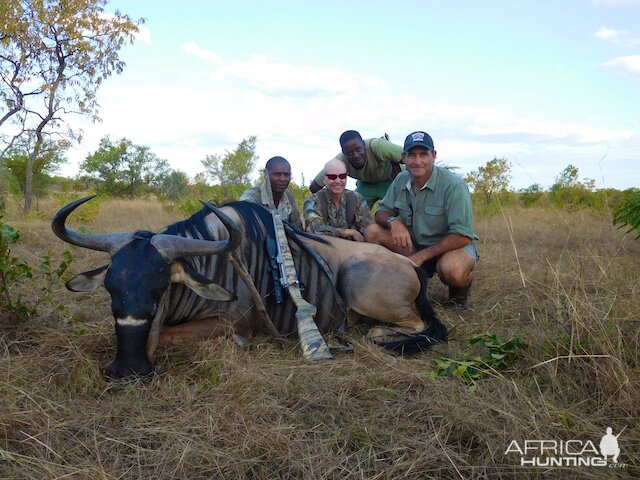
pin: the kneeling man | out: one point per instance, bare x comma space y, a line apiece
334, 210
427, 216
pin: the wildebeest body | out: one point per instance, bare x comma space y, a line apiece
180, 284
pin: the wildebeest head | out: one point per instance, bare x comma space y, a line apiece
143, 265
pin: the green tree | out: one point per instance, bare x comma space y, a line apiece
491, 181
52, 155
567, 178
569, 192
54, 54
174, 185
233, 168
125, 169
531, 194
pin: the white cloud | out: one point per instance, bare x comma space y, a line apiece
212, 112
629, 65
619, 37
193, 49
275, 77
606, 33
144, 34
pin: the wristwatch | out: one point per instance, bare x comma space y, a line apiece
390, 219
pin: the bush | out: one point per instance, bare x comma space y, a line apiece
89, 211
531, 194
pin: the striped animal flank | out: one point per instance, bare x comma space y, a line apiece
257, 226
316, 283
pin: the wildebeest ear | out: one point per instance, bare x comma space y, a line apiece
200, 284
87, 281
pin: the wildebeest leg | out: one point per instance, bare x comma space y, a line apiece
381, 291
204, 328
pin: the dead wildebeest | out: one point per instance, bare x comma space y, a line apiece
174, 285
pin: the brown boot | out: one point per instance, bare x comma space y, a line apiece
458, 298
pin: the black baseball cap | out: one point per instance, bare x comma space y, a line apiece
418, 139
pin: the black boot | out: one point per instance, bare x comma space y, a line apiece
458, 298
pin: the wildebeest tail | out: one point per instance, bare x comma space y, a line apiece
435, 332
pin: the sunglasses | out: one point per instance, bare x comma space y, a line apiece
333, 176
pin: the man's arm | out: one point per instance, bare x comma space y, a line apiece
315, 222
400, 235
386, 150
315, 186
452, 241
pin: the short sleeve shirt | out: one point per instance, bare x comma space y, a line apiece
380, 155
288, 210
441, 207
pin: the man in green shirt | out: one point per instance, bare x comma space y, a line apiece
374, 163
427, 216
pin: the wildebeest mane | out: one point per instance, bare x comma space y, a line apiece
194, 226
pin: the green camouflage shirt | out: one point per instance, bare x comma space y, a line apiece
336, 223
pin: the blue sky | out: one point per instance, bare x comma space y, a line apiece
544, 84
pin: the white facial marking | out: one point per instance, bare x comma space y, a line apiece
130, 322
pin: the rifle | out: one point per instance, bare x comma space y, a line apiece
275, 263
311, 341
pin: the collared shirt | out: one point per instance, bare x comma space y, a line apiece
442, 206
287, 208
336, 223
380, 153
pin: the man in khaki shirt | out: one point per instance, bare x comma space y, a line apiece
427, 216
278, 173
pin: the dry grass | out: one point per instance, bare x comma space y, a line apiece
567, 284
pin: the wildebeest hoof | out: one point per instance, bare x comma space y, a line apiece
241, 341
381, 334
112, 374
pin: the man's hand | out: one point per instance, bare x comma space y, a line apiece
420, 257
353, 235
400, 235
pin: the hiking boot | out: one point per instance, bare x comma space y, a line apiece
458, 298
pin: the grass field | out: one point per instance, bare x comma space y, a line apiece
568, 284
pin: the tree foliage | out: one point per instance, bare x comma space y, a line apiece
54, 54
629, 213
125, 169
569, 192
174, 185
531, 194
233, 168
491, 181
52, 155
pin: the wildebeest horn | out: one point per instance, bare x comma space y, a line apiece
235, 235
171, 246
104, 242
